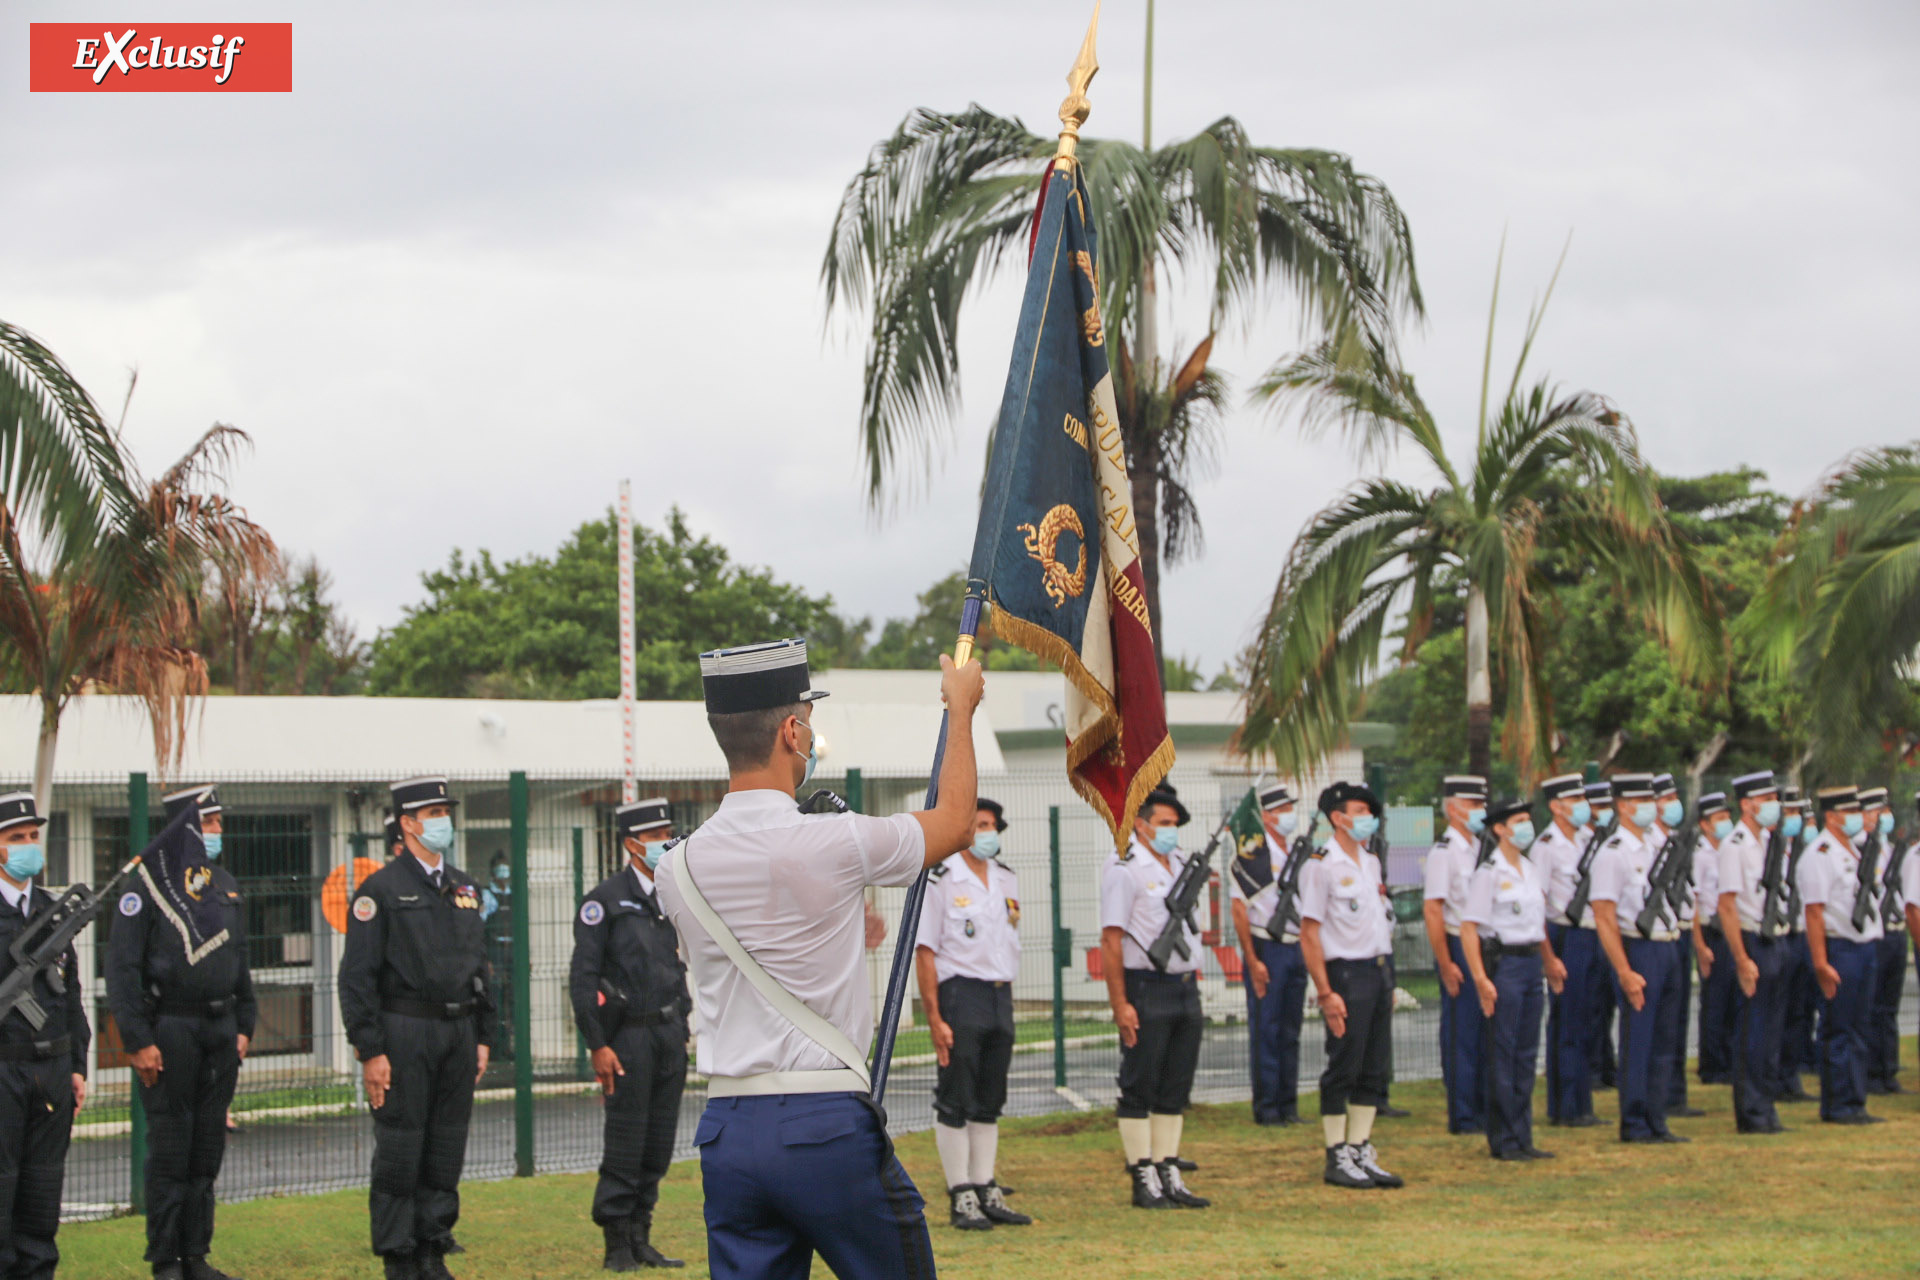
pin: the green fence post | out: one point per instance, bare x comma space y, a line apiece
856, 791
136, 841
579, 894
1062, 952
522, 981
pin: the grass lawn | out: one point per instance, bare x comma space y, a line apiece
1821, 1201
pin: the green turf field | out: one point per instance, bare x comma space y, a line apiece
1822, 1201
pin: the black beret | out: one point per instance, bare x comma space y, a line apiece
1506, 809
1167, 795
1335, 797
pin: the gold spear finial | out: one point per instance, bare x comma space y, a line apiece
1074, 111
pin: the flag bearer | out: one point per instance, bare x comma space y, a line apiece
1645, 976
967, 955
1449, 869
181, 991
1503, 934
43, 1072
1275, 979
1346, 943
1669, 820
1844, 952
794, 1154
1571, 1010
1717, 987
1883, 1026
1158, 1014
630, 1002
1800, 995
416, 999
1753, 918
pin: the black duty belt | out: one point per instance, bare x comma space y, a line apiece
451, 1011
36, 1050
991, 983
658, 1017
194, 1008
1154, 975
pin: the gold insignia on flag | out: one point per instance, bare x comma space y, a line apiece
1043, 541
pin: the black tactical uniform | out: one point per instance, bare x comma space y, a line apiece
414, 987
36, 1086
178, 978
629, 991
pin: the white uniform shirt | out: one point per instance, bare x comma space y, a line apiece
1829, 876
643, 883
1620, 876
1133, 898
1449, 868
1706, 881
790, 886
1262, 905
1743, 862
971, 925
1560, 854
1509, 903
1910, 877
1345, 895
15, 896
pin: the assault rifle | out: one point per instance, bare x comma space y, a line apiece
1770, 882
1583, 888
1869, 870
1660, 881
1680, 883
1890, 914
38, 947
1488, 843
1182, 898
1286, 915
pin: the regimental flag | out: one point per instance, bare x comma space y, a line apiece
1057, 547
1252, 864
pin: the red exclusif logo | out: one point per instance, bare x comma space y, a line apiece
162, 57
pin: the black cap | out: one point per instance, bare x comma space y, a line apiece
1790, 798
1168, 795
1464, 786
1757, 783
1633, 786
1663, 783
204, 798
1712, 802
1506, 809
983, 805
418, 793
1276, 796
1335, 797
757, 677
16, 808
1599, 792
1873, 797
642, 815
1564, 787
1845, 799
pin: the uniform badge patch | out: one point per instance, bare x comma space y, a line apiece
1013, 911
969, 929
465, 897
364, 908
130, 904
592, 913
963, 901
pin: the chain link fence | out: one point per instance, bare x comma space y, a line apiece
538, 842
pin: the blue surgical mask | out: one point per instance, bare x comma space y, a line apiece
1672, 812
1364, 826
1722, 828
211, 839
1582, 813
986, 844
654, 852
1643, 814
1522, 835
24, 861
1851, 824
1886, 824
1791, 825
1476, 820
1769, 815
437, 834
1288, 823
502, 873
813, 756
1166, 840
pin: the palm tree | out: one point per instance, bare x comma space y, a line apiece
1550, 472
100, 591
949, 198
1840, 610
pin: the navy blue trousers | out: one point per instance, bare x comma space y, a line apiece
1572, 1018
1510, 1050
1680, 1014
1646, 1039
1844, 1022
1757, 1027
1460, 1050
1273, 1030
789, 1175
1718, 994
1883, 1035
1797, 1051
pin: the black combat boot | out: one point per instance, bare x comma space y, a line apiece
1369, 1161
169, 1271
201, 1269
619, 1248
640, 1231
1175, 1188
966, 1215
1147, 1191
1343, 1169
400, 1266
993, 1203
433, 1263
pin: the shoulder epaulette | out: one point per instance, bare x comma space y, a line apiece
939, 870
1126, 854
1321, 852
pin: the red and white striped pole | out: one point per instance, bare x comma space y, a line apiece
629, 788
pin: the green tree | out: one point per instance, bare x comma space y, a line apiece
281, 634
548, 627
1551, 475
915, 643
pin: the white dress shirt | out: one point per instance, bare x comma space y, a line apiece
1346, 896
1560, 854
1621, 872
972, 925
1743, 863
1910, 877
1829, 876
1133, 898
15, 896
1508, 902
1449, 868
1706, 881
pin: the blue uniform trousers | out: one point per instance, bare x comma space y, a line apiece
1646, 1039
1718, 993
1460, 1050
1797, 1051
789, 1175
1511, 1049
1571, 1018
1679, 1015
1273, 1030
1757, 1028
1843, 1028
1883, 1035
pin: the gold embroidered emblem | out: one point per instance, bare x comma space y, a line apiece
1090, 319
196, 880
963, 901
1043, 542
1013, 911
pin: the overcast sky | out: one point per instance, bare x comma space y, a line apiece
486, 259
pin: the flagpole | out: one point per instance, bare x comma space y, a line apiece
1073, 114
629, 787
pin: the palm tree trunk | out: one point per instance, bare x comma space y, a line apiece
1145, 482
43, 755
1479, 686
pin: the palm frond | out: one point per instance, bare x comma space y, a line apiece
1372, 404
63, 475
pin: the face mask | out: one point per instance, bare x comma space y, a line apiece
653, 854
1476, 820
1851, 824
1364, 826
1288, 823
986, 844
813, 756
1602, 817
1166, 840
1521, 835
1769, 815
502, 873
212, 840
1582, 813
437, 834
1722, 828
1671, 812
1791, 825
1643, 814
24, 861
1886, 824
